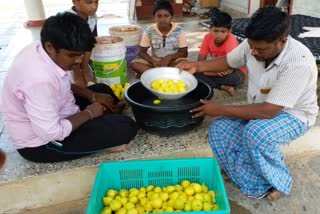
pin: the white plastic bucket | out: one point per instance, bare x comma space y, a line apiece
131, 35
108, 60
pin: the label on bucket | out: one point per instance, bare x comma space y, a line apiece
110, 72
109, 81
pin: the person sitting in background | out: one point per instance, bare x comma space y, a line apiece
49, 119
82, 73
167, 41
282, 105
219, 42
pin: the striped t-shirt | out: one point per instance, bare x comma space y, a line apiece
164, 45
291, 78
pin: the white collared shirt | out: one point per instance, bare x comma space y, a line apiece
92, 20
292, 78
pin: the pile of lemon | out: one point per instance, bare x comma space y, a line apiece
169, 86
119, 89
182, 197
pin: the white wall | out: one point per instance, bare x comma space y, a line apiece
239, 5
306, 7
254, 5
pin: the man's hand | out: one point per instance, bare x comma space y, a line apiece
165, 61
189, 66
208, 108
95, 110
105, 100
219, 74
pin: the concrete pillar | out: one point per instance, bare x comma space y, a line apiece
35, 13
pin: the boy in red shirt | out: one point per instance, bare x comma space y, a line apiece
219, 42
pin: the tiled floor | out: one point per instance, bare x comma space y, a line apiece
13, 36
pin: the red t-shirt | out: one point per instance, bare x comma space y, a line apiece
208, 46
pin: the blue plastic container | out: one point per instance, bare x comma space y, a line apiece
129, 174
131, 54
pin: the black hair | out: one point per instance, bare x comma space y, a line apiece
268, 24
67, 31
162, 5
221, 19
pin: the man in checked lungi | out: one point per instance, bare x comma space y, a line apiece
282, 105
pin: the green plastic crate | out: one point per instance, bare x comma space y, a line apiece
129, 174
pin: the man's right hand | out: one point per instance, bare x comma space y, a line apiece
92, 111
209, 108
106, 100
96, 109
189, 66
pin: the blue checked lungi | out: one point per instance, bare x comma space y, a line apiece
249, 151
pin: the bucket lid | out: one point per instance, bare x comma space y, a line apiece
125, 29
108, 40
109, 45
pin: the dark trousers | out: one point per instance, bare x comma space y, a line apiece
233, 79
95, 135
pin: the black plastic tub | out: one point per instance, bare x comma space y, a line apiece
170, 117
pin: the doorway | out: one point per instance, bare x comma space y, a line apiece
264, 3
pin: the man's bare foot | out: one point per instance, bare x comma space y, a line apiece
273, 195
120, 148
228, 89
2, 159
224, 175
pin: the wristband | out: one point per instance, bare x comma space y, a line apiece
91, 115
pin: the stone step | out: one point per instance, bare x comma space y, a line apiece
44, 185
302, 199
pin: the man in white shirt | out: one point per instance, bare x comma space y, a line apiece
282, 105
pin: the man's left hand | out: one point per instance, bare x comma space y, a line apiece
208, 108
104, 99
